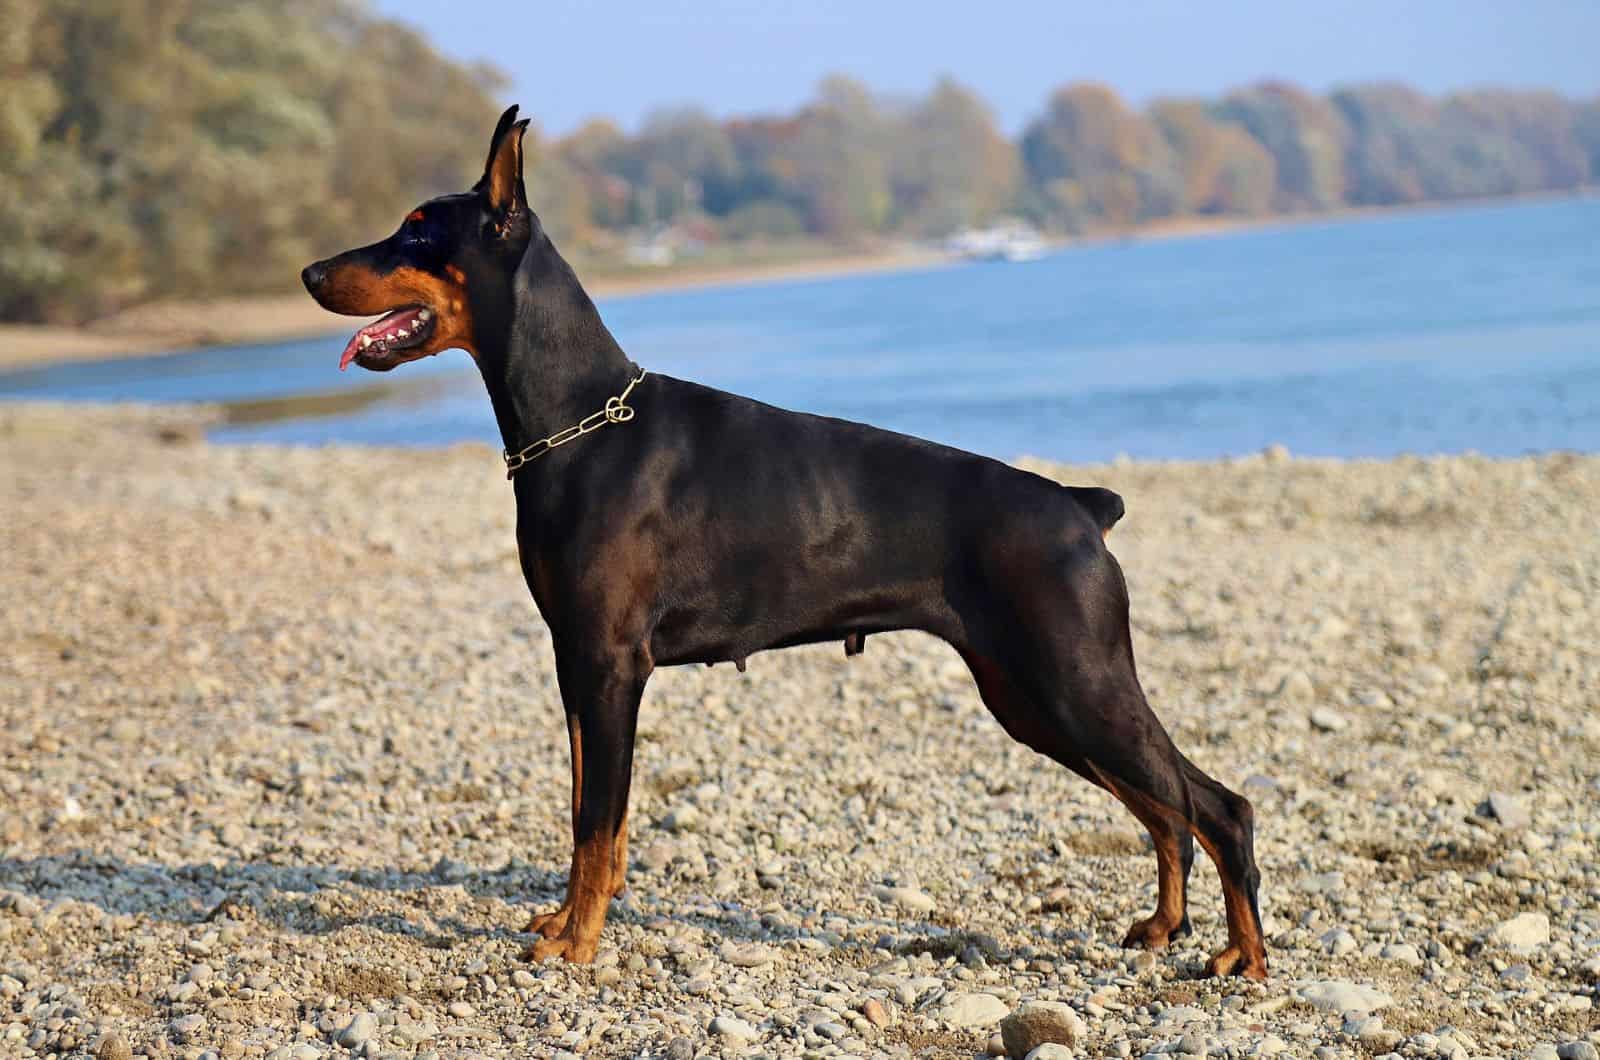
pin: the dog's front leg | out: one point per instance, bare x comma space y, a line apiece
601, 694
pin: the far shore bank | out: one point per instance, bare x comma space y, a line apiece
176, 326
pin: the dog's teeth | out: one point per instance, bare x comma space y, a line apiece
402, 333
423, 314
366, 340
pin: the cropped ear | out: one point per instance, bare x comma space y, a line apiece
502, 173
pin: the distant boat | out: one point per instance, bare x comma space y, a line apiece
1006, 241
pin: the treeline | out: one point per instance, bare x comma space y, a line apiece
154, 148
850, 164
188, 147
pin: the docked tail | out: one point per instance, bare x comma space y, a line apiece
1103, 506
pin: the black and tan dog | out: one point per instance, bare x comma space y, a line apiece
685, 525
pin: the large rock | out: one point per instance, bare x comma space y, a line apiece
358, 1030
972, 1010
1507, 809
732, 1029
1338, 995
1523, 933
906, 898
1039, 1022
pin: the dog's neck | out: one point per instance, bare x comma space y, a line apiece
546, 357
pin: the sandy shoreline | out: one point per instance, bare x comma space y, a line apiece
169, 327
284, 764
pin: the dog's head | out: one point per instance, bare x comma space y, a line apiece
452, 259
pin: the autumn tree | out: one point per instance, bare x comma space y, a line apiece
1089, 158
951, 165
1305, 135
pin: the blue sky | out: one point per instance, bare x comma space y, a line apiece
571, 59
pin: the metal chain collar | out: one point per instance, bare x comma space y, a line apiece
617, 410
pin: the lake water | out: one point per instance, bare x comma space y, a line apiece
1441, 331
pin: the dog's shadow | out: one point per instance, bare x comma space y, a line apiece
319, 900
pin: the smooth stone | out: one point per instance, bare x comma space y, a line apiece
1579, 1050
1325, 720
113, 1046
682, 819
358, 1030
1523, 933
1051, 1051
1039, 1022
748, 955
906, 898
1509, 810
733, 1028
972, 1010
185, 1027
1403, 952
1338, 995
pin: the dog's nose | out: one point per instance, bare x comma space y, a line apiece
313, 275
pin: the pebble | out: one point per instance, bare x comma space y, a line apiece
906, 898
748, 955
113, 1046
1578, 1050
681, 819
732, 1028
1523, 933
1037, 1022
972, 1010
363, 1026
186, 1027
1508, 810
1403, 952
1296, 687
876, 1012
1324, 719
1337, 995
461, 1010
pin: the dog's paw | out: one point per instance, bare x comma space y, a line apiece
1235, 961
549, 924
570, 949
1153, 933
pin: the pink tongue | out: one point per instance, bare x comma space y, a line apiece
350, 351
384, 327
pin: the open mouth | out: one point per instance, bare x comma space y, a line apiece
378, 345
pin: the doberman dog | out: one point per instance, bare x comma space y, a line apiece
660, 522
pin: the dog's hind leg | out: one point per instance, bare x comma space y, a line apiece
1174, 847
1068, 653
1169, 833
1102, 714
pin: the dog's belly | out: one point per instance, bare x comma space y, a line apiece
731, 629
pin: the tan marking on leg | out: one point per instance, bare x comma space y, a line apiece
591, 896
551, 924
1246, 953
619, 858
1155, 931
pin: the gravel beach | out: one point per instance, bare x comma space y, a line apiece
283, 773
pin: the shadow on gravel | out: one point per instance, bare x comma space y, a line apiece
317, 899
